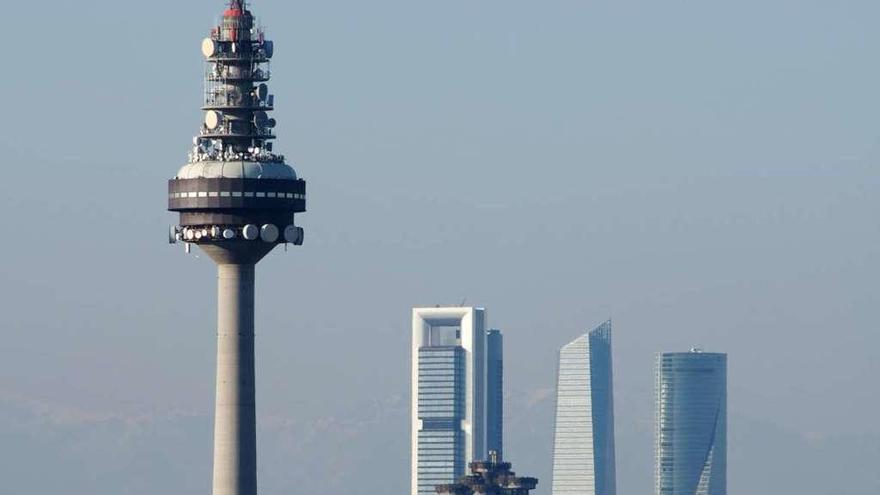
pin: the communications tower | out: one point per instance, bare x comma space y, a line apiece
237, 200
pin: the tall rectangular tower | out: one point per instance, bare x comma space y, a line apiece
583, 449
691, 424
495, 393
450, 373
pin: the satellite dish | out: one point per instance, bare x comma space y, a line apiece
290, 234
261, 119
269, 233
228, 234
269, 48
212, 119
294, 235
250, 232
271, 123
209, 47
262, 92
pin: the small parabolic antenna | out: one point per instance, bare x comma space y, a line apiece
269, 233
250, 232
292, 234
209, 47
262, 92
261, 119
212, 119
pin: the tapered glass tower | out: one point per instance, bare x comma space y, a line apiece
583, 450
691, 424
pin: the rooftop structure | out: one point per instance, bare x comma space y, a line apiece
491, 477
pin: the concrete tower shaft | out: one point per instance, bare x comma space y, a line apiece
235, 424
236, 201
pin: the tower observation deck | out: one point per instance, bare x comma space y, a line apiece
236, 199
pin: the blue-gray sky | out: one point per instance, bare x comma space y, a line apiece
704, 173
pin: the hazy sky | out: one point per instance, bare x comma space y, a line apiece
703, 173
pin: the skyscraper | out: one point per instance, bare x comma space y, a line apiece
236, 200
495, 393
450, 393
583, 450
690, 440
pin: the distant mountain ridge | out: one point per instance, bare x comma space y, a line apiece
46, 450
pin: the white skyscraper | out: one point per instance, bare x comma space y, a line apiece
583, 449
450, 393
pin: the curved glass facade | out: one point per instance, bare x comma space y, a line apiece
583, 447
691, 424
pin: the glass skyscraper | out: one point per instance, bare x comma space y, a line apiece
495, 393
456, 396
691, 424
583, 445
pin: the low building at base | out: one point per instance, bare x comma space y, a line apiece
491, 477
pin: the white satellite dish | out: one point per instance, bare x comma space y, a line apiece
250, 232
228, 234
212, 119
269, 233
262, 92
209, 47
